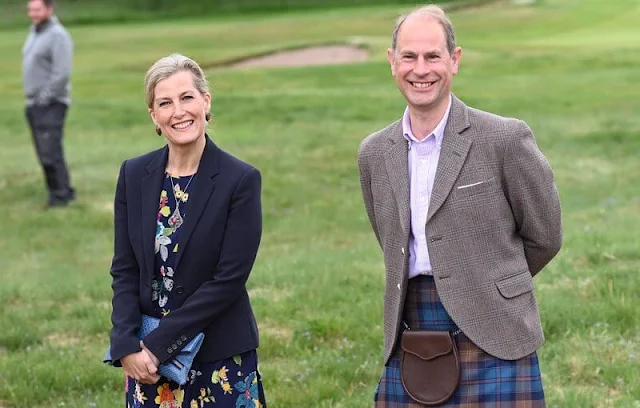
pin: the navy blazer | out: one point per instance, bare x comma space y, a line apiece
218, 246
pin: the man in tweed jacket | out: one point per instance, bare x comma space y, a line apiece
478, 209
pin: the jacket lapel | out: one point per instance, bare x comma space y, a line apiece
204, 186
151, 185
455, 148
397, 164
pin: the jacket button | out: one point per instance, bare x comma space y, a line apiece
174, 346
179, 290
169, 350
183, 338
402, 250
399, 286
179, 342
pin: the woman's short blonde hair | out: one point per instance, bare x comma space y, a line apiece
167, 66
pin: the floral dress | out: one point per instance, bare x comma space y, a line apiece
234, 382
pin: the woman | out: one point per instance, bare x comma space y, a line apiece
188, 222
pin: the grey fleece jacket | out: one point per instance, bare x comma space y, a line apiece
46, 64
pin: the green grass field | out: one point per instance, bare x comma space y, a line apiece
89, 12
567, 67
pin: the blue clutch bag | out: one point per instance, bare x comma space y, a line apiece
176, 369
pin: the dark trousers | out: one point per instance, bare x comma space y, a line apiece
46, 123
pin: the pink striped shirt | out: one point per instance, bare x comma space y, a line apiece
423, 163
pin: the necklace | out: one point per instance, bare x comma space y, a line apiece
176, 220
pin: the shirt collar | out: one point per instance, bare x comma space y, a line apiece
438, 131
45, 24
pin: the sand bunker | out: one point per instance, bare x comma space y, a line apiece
319, 55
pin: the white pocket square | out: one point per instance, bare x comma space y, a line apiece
470, 185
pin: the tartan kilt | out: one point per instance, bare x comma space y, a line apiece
485, 381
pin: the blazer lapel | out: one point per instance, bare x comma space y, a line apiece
203, 187
151, 185
397, 163
455, 148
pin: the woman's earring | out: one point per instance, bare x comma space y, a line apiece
158, 130
208, 116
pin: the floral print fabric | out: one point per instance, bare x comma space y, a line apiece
234, 382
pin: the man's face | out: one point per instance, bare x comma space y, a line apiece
421, 64
38, 11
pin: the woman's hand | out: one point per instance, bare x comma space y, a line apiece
151, 355
141, 366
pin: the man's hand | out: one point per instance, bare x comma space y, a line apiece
141, 366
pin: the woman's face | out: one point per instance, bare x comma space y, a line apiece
179, 109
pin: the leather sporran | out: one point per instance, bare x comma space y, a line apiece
429, 366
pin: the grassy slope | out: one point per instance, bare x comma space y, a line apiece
566, 67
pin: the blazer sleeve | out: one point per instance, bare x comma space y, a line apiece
125, 273
533, 197
365, 185
239, 248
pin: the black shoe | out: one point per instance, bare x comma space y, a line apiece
61, 202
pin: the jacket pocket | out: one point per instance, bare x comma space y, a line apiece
515, 285
470, 189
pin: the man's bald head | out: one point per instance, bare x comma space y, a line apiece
434, 12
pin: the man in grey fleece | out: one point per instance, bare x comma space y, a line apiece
46, 68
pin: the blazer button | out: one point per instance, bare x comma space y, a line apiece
402, 250
399, 288
174, 346
179, 290
183, 338
179, 342
169, 350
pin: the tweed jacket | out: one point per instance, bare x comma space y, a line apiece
493, 223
